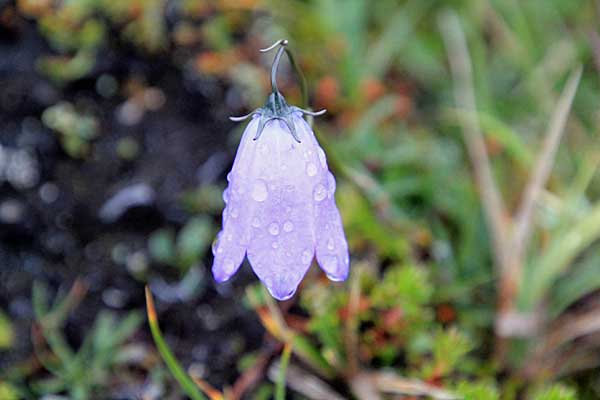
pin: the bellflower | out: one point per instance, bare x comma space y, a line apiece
280, 206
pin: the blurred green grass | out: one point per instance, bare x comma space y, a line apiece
428, 290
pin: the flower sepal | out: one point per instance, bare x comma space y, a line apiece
276, 107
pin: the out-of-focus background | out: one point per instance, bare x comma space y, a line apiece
466, 152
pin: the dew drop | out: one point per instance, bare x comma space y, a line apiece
322, 157
226, 196
229, 237
330, 264
234, 213
255, 222
306, 257
274, 245
330, 244
229, 176
311, 169
274, 229
259, 191
228, 266
320, 192
288, 226
288, 295
215, 244
330, 184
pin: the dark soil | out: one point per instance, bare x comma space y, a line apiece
51, 231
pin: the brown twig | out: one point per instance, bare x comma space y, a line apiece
351, 326
389, 382
304, 383
509, 245
523, 219
207, 388
464, 95
252, 375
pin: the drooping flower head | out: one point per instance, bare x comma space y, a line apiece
280, 206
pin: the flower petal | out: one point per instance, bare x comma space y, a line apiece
282, 241
331, 244
230, 246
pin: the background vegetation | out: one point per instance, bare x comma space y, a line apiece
464, 135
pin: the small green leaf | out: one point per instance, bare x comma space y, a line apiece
7, 333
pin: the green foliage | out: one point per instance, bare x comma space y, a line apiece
8, 392
81, 372
395, 323
82, 28
187, 248
411, 209
7, 333
76, 130
477, 391
555, 392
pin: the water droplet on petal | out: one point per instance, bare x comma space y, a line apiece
330, 184
330, 244
322, 157
288, 226
228, 266
226, 196
215, 244
234, 213
229, 176
255, 222
306, 257
259, 191
320, 192
288, 295
311, 169
274, 245
229, 237
274, 229
330, 264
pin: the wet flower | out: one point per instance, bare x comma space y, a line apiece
280, 206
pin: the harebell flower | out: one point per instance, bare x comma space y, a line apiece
280, 206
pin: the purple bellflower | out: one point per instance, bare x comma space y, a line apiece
280, 206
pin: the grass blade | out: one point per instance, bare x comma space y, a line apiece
285, 360
187, 384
